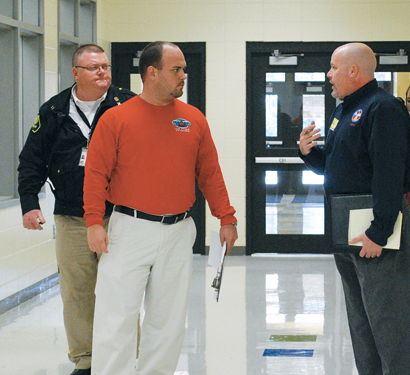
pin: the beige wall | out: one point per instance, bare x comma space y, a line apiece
28, 256
225, 26
403, 81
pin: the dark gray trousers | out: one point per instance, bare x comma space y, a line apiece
377, 293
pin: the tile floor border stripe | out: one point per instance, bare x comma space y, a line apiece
288, 353
25, 294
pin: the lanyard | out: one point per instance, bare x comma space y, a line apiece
82, 115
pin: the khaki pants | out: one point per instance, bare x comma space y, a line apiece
77, 266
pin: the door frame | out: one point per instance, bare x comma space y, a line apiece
122, 58
254, 245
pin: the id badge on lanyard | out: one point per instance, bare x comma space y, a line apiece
83, 157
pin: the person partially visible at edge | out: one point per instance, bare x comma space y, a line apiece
408, 99
144, 157
407, 195
367, 152
56, 149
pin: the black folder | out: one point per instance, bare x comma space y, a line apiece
340, 206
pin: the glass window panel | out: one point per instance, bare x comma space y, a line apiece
8, 119
66, 74
31, 51
275, 77
30, 9
311, 178
271, 106
312, 215
383, 76
86, 25
6, 8
293, 207
291, 105
314, 110
310, 77
67, 17
271, 177
21, 67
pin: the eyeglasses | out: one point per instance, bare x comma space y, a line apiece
94, 68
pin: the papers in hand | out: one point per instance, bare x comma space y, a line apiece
360, 220
216, 260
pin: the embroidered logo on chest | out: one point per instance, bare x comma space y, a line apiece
181, 125
356, 117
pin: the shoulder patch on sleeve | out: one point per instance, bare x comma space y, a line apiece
37, 125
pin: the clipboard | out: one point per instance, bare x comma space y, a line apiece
216, 260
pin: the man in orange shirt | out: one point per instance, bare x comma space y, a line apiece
144, 158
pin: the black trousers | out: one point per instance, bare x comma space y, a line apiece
377, 293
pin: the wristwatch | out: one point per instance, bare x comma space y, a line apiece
235, 224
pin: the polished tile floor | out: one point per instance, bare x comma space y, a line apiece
276, 315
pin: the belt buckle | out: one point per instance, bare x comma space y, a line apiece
167, 215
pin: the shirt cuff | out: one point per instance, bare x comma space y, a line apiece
374, 235
229, 219
92, 220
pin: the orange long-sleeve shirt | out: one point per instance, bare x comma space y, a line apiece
147, 157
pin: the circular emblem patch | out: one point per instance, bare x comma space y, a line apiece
356, 116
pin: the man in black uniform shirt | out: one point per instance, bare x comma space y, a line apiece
56, 148
367, 152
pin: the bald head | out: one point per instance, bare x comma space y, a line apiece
361, 55
352, 66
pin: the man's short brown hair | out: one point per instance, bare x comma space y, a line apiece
85, 48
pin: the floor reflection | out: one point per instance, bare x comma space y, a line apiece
282, 304
280, 314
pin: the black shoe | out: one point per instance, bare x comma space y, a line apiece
81, 372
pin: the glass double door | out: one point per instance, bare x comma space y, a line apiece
287, 201
293, 195
287, 89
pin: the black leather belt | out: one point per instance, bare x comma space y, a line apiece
163, 219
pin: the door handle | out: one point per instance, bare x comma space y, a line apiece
279, 160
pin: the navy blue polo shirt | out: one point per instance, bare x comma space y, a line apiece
367, 151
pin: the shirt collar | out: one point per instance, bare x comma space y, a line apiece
360, 93
78, 102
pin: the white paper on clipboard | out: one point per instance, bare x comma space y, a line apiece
216, 251
216, 260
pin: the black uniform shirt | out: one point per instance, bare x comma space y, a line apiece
367, 151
